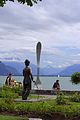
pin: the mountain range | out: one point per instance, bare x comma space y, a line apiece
5, 69
70, 70
48, 70
16, 68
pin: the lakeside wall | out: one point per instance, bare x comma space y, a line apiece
51, 92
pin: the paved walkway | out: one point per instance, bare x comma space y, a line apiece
38, 99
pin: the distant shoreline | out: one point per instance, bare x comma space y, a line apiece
42, 75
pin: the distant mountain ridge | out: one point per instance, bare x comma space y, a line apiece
20, 65
70, 70
5, 70
17, 67
48, 70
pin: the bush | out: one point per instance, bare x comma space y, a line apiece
75, 78
8, 92
60, 99
17, 90
75, 97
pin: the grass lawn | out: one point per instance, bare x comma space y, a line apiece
5, 117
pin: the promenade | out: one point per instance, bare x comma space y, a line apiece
37, 99
45, 95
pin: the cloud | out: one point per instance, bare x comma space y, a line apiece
48, 62
55, 23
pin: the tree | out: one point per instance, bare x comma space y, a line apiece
75, 78
29, 2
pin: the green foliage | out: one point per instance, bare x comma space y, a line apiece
17, 90
28, 2
60, 100
75, 78
29, 107
6, 104
8, 92
75, 97
22, 107
68, 106
46, 107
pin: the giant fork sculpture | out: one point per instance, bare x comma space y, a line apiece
38, 52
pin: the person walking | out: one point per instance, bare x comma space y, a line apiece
28, 77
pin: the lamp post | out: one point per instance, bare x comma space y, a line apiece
38, 52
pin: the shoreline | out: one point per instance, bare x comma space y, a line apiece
51, 92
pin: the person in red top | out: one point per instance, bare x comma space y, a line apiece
56, 86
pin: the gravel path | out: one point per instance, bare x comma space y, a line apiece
45, 97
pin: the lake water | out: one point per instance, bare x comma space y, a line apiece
47, 82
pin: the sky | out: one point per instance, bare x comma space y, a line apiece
54, 23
